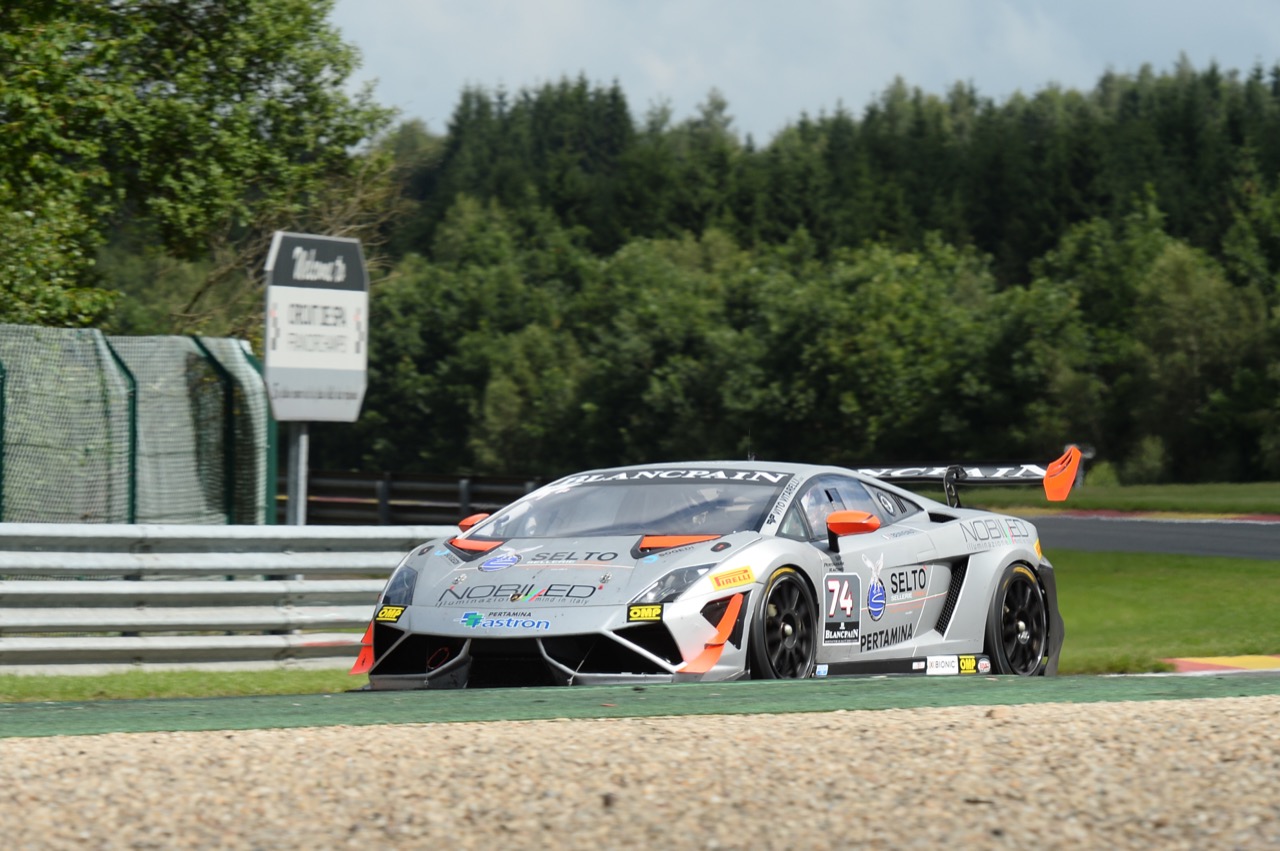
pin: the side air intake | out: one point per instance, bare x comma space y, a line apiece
953, 596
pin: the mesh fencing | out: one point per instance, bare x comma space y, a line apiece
254, 431
98, 429
67, 428
182, 456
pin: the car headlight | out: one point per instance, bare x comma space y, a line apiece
399, 590
672, 585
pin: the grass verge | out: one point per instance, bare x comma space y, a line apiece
1123, 614
135, 685
1252, 498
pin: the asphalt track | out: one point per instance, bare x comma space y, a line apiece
1233, 538
742, 698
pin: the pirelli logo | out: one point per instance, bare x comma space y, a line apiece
389, 614
733, 578
644, 613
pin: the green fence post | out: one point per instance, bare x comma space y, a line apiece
273, 449
133, 429
2, 377
228, 431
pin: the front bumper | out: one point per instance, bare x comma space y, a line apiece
644, 653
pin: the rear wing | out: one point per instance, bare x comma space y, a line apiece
1058, 476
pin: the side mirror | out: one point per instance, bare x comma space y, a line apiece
841, 523
467, 523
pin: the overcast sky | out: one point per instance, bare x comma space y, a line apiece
776, 59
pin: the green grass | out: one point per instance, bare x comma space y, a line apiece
1123, 614
146, 684
1252, 498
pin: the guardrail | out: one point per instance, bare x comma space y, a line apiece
97, 598
340, 498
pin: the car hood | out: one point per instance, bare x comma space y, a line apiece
537, 572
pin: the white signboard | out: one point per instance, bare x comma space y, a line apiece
317, 336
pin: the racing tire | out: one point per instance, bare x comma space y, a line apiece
784, 631
1017, 636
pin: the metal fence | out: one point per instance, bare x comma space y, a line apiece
98, 429
96, 598
335, 498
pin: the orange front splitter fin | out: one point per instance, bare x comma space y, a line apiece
365, 660
707, 659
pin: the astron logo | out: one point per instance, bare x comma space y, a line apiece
475, 620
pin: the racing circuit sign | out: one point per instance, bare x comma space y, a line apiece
317, 334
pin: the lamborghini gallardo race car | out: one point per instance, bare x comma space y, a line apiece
716, 571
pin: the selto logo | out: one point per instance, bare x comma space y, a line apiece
733, 578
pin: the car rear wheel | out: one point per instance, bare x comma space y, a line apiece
1018, 624
783, 633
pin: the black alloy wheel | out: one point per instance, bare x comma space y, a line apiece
783, 635
1018, 624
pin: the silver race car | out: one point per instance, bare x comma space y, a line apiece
720, 570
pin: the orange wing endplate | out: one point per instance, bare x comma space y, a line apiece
1061, 475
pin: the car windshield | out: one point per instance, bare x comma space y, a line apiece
696, 507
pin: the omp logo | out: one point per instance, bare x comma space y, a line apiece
733, 578
968, 664
389, 614
644, 613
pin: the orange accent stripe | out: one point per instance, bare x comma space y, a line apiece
474, 546
662, 542
1061, 475
715, 647
365, 660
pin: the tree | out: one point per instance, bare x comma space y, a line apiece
54, 188
206, 124
1198, 336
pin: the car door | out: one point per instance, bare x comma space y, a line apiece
874, 586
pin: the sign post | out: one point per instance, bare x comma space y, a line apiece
316, 342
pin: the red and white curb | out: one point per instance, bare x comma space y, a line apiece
1224, 664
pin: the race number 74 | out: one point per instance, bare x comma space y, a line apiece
841, 597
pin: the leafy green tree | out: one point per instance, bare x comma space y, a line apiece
1176, 349
878, 357
529, 414
469, 353
1198, 335
652, 330
53, 186
205, 124
1044, 391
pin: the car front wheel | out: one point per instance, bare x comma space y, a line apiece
783, 633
